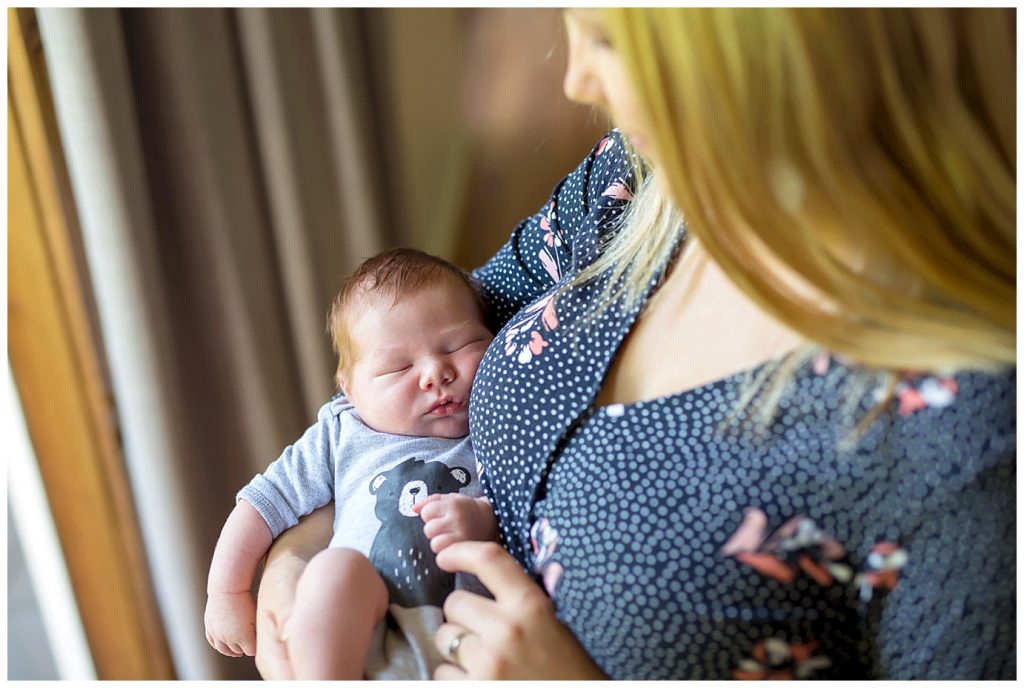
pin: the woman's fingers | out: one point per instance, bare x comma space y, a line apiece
497, 569
472, 651
472, 612
468, 642
515, 635
273, 609
450, 672
271, 653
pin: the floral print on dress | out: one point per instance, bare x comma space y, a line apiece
618, 190
553, 240
798, 545
604, 144
525, 338
776, 659
916, 392
882, 569
543, 540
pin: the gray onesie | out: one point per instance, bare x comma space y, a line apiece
374, 479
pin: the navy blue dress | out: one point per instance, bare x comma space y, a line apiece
677, 545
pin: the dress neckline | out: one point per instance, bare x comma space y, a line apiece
618, 408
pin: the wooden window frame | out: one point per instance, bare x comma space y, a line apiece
58, 369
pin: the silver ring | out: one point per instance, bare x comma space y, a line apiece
451, 652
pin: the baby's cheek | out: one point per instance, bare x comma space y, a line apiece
472, 361
395, 405
401, 396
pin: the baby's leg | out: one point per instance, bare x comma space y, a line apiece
339, 600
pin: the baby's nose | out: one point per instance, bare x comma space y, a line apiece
441, 373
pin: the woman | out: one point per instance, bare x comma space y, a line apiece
780, 442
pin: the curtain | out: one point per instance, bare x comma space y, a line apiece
229, 167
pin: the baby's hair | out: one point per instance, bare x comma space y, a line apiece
394, 272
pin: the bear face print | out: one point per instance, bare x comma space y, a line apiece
401, 552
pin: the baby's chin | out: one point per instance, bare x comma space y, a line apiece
451, 428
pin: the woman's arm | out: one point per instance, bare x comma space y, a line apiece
288, 556
514, 636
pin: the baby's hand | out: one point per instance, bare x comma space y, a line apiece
451, 518
231, 623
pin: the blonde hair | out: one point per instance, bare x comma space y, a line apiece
870, 151
391, 273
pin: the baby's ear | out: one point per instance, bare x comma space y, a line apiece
342, 384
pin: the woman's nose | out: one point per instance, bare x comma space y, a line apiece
580, 83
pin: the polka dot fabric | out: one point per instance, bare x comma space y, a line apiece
676, 544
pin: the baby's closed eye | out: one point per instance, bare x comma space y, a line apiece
458, 346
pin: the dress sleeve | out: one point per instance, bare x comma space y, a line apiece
548, 246
298, 481
952, 614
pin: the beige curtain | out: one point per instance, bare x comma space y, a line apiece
248, 159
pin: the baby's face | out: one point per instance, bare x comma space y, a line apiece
415, 361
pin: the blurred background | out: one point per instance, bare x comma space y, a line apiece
186, 189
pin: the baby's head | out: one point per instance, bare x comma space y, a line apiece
409, 332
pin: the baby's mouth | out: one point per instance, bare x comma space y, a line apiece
446, 407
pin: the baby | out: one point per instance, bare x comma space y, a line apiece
395, 456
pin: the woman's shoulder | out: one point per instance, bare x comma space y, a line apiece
612, 154
606, 173
610, 169
945, 429
588, 202
973, 414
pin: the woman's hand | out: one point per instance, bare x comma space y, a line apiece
285, 562
514, 636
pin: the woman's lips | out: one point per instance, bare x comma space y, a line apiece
446, 408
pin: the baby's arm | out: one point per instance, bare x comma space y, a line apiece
230, 609
451, 518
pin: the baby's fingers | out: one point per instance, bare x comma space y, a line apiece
248, 646
441, 541
434, 508
225, 649
437, 526
418, 506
